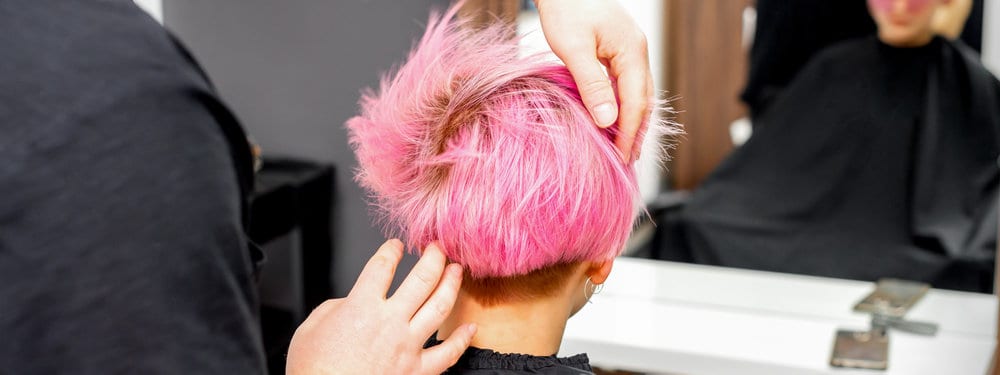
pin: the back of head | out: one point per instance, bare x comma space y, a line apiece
493, 155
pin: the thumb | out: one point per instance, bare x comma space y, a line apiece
595, 89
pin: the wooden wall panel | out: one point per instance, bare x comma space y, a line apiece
705, 71
485, 11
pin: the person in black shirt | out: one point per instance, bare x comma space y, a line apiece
121, 225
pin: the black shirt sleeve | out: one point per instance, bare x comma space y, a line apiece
121, 231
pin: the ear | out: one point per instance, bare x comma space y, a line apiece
598, 271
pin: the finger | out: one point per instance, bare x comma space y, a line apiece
439, 358
647, 116
438, 306
595, 87
421, 281
633, 81
377, 275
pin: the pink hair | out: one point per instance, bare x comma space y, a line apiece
491, 154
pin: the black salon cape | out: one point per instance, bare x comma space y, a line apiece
876, 162
478, 361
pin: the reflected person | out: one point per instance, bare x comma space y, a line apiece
788, 34
878, 160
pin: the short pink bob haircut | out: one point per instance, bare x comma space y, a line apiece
491, 154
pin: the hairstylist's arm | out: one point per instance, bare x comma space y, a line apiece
367, 333
589, 34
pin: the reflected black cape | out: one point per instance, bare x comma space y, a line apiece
876, 161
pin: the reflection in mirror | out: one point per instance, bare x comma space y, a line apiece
875, 136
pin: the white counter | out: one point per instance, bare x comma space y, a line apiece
665, 317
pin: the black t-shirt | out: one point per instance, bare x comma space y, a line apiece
122, 177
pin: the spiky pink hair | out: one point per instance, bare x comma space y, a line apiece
491, 154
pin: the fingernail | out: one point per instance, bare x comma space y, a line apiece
457, 270
605, 114
433, 245
394, 243
472, 328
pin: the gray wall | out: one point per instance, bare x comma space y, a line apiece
292, 71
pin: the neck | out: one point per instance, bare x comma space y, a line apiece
532, 327
915, 42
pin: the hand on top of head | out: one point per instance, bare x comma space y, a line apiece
493, 154
590, 36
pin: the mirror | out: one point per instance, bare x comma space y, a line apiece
815, 148
851, 140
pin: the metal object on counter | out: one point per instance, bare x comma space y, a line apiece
888, 304
860, 349
883, 323
893, 297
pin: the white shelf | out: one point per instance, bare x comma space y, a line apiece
669, 317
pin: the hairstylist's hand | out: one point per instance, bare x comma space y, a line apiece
587, 34
367, 333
